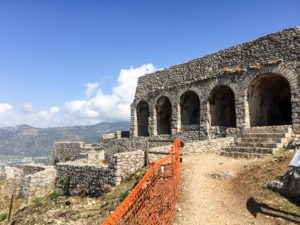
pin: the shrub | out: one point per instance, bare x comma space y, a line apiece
54, 195
3, 217
37, 201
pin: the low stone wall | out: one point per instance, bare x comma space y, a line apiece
95, 157
76, 178
127, 163
113, 146
84, 179
38, 184
158, 153
207, 145
189, 135
70, 151
33, 168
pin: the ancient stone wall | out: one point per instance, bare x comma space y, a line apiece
77, 178
156, 153
207, 145
236, 69
70, 151
32, 168
37, 184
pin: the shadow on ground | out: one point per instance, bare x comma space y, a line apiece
254, 208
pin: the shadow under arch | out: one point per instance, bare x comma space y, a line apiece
222, 106
269, 100
189, 109
142, 110
163, 115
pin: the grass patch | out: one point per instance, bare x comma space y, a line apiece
37, 201
74, 208
54, 195
3, 217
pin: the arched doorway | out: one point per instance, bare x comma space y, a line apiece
189, 109
164, 115
222, 107
142, 118
269, 99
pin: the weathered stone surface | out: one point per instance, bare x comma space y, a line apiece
289, 185
246, 76
295, 143
70, 151
77, 178
37, 181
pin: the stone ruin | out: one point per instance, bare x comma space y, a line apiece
244, 100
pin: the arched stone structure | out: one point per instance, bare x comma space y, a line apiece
142, 111
163, 110
237, 68
269, 100
189, 109
222, 107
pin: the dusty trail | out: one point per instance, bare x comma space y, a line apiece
206, 200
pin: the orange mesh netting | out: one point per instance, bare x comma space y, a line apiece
154, 198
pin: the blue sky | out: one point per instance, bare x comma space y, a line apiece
58, 58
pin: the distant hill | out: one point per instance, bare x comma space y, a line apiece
30, 141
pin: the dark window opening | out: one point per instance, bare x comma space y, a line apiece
142, 118
222, 107
164, 116
269, 99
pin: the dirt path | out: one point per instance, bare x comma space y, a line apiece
206, 200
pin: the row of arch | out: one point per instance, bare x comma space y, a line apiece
268, 97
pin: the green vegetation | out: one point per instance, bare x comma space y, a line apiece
54, 195
281, 152
3, 217
37, 201
73, 208
2, 180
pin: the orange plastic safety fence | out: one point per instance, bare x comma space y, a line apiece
153, 200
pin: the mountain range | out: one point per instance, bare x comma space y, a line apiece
24, 140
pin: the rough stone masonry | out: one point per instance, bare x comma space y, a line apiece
207, 102
256, 83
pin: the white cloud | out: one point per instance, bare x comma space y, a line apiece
54, 109
27, 107
90, 89
97, 107
5, 107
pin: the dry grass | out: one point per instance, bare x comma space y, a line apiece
226, 69
75, 209
251, 183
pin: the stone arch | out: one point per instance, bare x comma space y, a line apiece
221, 104
269, 100
142, 110
189, 109
163, 110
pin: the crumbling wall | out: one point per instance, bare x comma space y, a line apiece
32, 168
37, 184
70, 151
76, 178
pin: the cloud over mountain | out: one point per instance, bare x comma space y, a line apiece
97, 107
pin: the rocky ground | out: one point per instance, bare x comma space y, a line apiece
217, 190
214, 190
